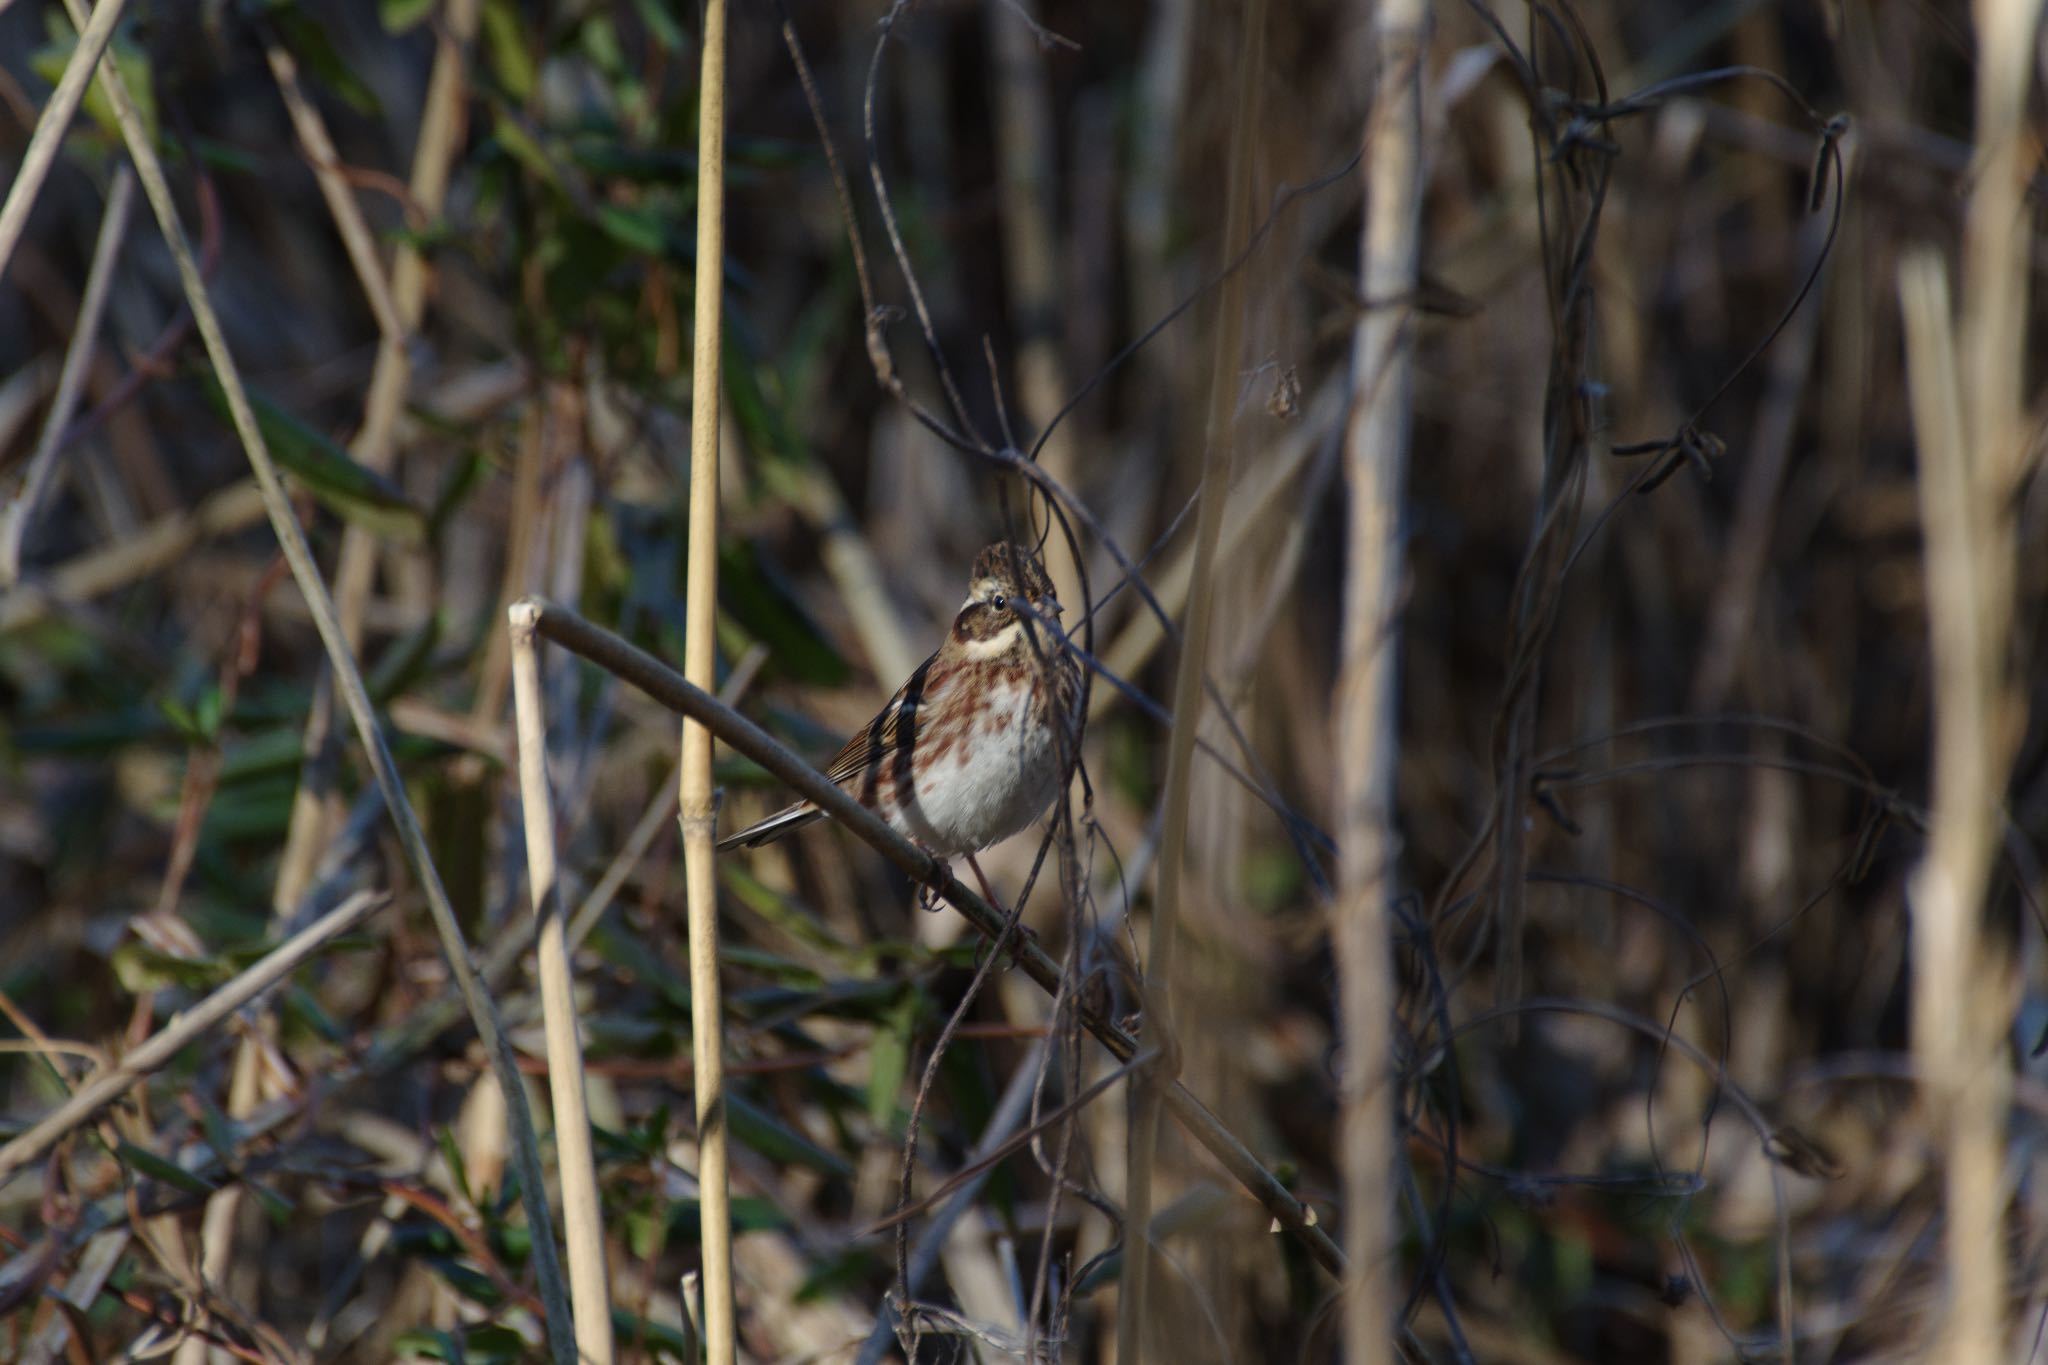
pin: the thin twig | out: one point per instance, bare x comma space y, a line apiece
1008, 1115
78, 355
169, 1040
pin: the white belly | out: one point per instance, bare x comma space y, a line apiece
981, 792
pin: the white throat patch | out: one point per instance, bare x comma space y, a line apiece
1002, 642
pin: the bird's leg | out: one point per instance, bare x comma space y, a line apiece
988, 893
1019, 932
942, 872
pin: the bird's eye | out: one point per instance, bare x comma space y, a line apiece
999, 601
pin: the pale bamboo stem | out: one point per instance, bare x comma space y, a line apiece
582, 1213
699, 810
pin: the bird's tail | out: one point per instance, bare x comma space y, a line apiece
773, 828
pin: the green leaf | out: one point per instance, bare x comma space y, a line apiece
846, 1271
269, 753
141, 968
505, 48
630, 1326
758, 598
661, 25
451, 1152
328, 472
468, 475
761, 1132
208, 713
636, 229
160, 1168
182, 719
427, 1345
889, 1060
401, 16
308, 41
524, 148
773, 966
275, 1206
298, 1007
401, 665
130, 61
749, 1214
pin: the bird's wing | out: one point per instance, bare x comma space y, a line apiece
862, 754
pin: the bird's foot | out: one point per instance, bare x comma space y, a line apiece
928, 898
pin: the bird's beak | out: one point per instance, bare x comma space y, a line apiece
1050, 605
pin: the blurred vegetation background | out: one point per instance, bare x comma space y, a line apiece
1695, 1083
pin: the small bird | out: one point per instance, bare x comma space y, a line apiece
970, 750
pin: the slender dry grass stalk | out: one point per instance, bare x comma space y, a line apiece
699, 807
582, 1212
115, 566
390, 378
1270, 474
55, 121
307, 829
1188, 697
642, 670
1376, 460
78, 353
348, 677
356, 238
167, 1041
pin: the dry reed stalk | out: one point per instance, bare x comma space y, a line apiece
654, 678
1966, 384
78, 357
698, 816
582, 1212
348, 677
441, 136
1213, 495
391, 377
1376, 457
